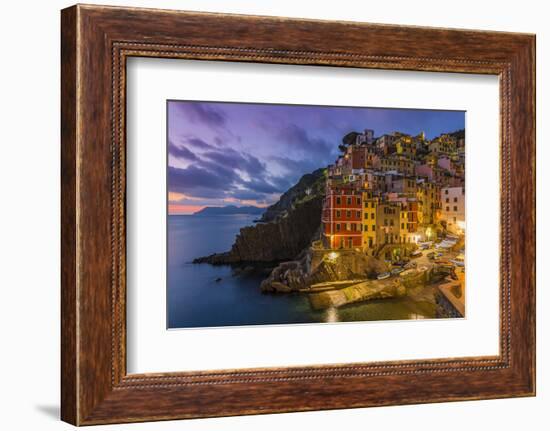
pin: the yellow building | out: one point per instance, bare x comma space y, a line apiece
444, 144
370, 205
399, 163
406, 146
429, 197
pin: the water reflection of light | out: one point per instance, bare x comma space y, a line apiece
416, 316
332, 315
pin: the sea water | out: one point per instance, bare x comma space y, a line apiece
204, 295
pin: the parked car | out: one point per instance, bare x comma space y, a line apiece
383, 276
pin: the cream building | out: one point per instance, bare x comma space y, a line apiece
453, 209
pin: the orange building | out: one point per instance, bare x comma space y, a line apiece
342, 217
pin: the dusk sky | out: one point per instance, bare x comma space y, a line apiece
249, 154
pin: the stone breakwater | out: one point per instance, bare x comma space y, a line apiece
363, 291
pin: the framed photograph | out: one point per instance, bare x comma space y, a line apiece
266, 215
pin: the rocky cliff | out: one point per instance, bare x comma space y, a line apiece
310, 185
279, 240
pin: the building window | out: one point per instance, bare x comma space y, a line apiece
446, 192
402, 225
337, 227
348, 200
338, 213
447, 200
372, 216
366, 204
366, 228
358, 214
366, 216
455, 208
446, 208
373, 227
348, 214
358, 201
348, 227
338, 200
455, 199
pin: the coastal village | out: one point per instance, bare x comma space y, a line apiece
396, 189
386, 220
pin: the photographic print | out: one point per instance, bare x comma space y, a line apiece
288, 214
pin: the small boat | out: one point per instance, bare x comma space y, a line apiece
396, 271
416, 253
383, 276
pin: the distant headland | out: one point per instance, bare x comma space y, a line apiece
230, 210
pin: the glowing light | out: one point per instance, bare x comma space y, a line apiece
429, 232
332, 256
332, 315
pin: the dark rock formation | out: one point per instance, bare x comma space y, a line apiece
309, 186
299, 275
277, 241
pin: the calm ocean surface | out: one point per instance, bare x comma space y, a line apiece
196, 299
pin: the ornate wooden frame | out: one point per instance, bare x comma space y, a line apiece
95, 42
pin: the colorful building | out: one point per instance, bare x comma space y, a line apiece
444, 144
408, 221
398, 163
388, 228
370, 206
406, 146
428, 195
342, 217
453, 209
